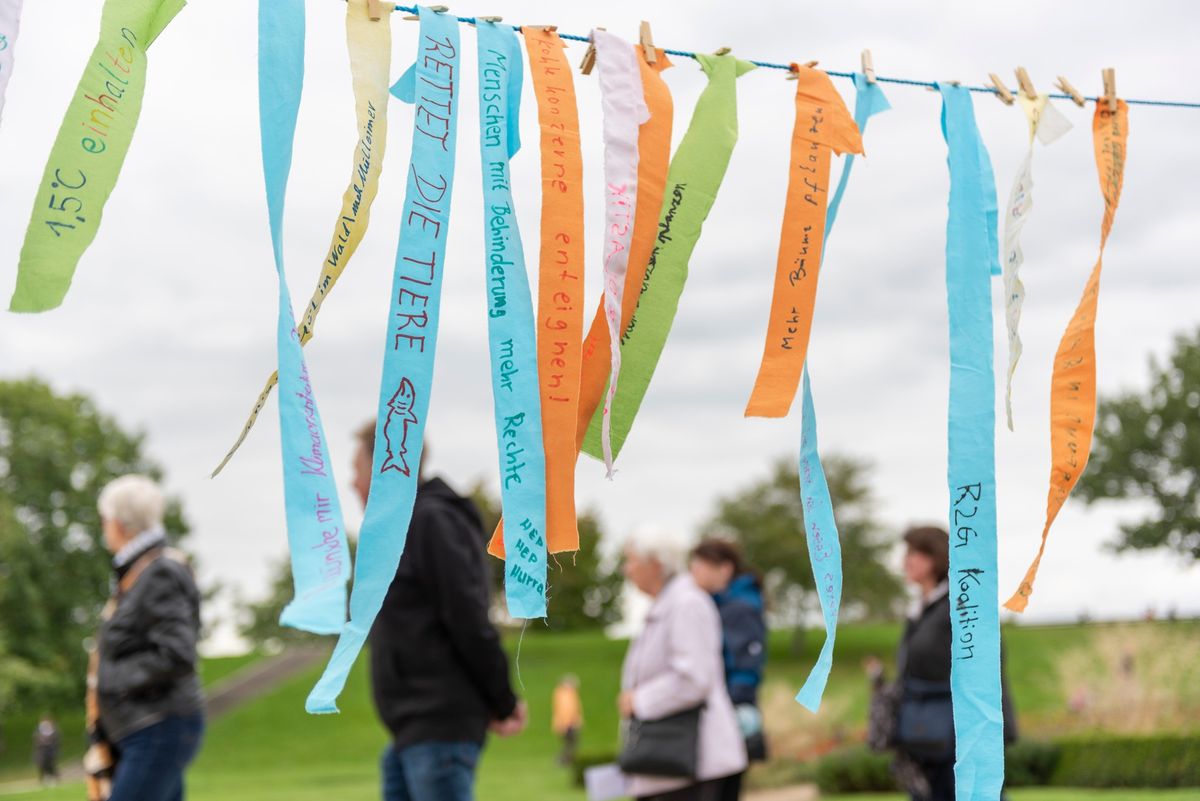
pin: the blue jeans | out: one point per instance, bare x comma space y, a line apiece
150, 762
430, 772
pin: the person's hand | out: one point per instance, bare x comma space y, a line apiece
625, 704
874, 667
512, 725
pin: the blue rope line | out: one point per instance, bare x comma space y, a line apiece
838, 74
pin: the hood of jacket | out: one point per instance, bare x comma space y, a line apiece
437, 491
744, 588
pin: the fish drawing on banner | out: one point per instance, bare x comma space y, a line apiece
395, 428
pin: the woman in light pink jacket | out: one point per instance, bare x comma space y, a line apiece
675, 665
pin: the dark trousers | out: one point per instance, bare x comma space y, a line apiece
940, 776
151, 761
702, 791
430, 772
47, 766
570, 740
731, 787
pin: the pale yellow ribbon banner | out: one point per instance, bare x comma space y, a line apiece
1073, 384
370, 45
1047, 125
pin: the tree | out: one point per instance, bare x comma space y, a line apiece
56, 453
1147, 446
767, 520
258, 621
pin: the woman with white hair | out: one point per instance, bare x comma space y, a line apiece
145, 706
673, 682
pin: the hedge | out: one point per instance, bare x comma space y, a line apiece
1159, 761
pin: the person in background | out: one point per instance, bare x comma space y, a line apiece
46, 742
145, 705
718, 568
925, 768
675, 665
567, 716
438, 674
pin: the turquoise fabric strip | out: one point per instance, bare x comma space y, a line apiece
824, 549
511, 338
316, 534
432, 85
975, 612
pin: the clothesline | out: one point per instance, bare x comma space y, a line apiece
837, 73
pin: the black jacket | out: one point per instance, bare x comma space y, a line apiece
147, 669
925, 655
437, 668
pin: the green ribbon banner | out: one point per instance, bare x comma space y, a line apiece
693, 179
89, 151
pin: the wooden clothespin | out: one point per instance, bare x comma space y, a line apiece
546, 28
795, 69
868, 66
434, 9
1002, 92
488, 19
1026, 84
1110, 87
589, 57
1066, 88
374, 10
721, 51
647, 42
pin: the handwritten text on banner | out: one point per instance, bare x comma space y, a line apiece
432, 85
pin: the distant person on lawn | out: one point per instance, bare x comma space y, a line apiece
439, 675
145, 707
567, 716
46, 741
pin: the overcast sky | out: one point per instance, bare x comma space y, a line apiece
170, 321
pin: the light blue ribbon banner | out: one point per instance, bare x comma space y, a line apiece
316, 535
432, 86
975, 613
824, 548
511, 337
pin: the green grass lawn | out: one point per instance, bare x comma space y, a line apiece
16, 731
272, 751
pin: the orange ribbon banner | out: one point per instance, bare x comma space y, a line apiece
560, 283
823, 124
1073, 384
654, 154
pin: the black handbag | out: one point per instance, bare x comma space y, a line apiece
665, 747
925, 725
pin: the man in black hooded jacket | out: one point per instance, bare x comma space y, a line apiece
439, 676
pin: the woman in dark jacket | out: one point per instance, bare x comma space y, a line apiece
717, 566
926, 768
147, 708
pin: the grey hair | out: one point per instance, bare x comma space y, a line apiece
667, 546
135, 502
